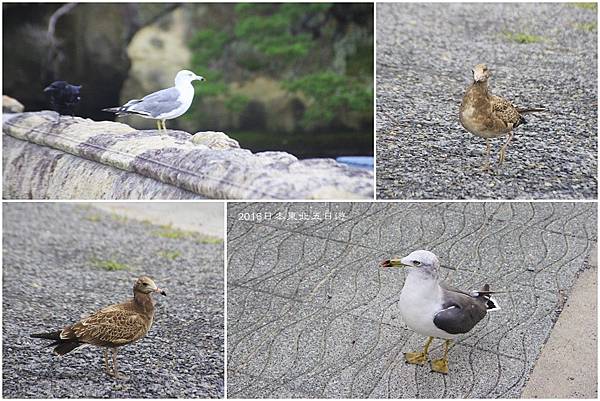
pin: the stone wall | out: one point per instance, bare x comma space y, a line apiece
48, 156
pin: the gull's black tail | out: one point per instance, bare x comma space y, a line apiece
526, 110
63, 346
490, 303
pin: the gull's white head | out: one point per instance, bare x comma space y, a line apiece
481, 73
185, 77
421, 260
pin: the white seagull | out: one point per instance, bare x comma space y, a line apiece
165, 104
433, 309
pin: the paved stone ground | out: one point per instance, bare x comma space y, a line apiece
310, 313
425, 53
51, 278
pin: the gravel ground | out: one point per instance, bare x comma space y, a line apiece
425, 53
51, 278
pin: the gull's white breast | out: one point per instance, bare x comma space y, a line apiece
420, 300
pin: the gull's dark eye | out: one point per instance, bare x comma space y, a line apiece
417, 263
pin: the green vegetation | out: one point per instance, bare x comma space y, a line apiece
168, 231
523, 38
322, 53
275, 30
93, 217
330, 94
588, 6
110, 265
119, 217
587, 26
171, 255
207, 239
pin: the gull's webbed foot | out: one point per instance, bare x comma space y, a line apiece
440, 366
417, 358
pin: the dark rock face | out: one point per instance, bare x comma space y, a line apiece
119, 52
89, 51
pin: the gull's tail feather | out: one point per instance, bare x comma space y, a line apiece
525, 110
113, 109
126, 109
62, 345
490, 303
54, 335
66, 347
123, 111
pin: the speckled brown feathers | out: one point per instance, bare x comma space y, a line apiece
506, 112
110, 327
488, 116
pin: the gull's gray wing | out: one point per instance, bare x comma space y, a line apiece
448, 287
156, 103
460, 312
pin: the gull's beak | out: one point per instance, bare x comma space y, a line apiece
48, 88
156, 289
391, 263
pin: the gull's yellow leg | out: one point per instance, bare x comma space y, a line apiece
419, 358
441, 365
158, 124
164, 124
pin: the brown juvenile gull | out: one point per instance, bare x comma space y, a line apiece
110, 327
433, 309
489, 116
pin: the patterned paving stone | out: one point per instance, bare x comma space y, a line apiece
310, 313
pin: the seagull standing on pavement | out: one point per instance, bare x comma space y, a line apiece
433, 309
166, 104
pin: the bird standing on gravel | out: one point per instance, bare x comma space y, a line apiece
489, 116
63, 97
165, 104
111, 327
433, 309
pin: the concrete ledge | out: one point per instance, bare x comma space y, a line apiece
37, 172
206, 165
568, 364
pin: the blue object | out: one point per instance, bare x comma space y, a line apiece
365, 162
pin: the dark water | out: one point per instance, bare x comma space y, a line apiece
308, 145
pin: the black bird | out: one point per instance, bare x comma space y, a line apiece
63, 97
